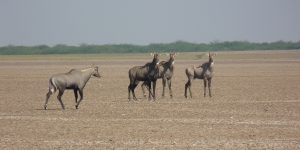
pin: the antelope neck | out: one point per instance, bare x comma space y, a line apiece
87, 71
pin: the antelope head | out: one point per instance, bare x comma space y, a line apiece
172, 57
210, 56
155, 58
96, 71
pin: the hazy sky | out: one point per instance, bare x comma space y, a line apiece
73, 22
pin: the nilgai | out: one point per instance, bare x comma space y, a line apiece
204, 71
166, 69
147, 73
72, 80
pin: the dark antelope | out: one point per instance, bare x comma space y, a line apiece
205, 72
147, 73
166, 69
73, 80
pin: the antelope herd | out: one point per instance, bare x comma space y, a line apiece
149, 73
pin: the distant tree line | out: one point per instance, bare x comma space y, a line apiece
178, 46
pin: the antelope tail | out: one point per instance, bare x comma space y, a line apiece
52, 85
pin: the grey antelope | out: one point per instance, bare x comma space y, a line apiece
166, 69
72, 80
204, 71
147, 73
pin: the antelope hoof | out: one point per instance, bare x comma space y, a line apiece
45, 107
76, 106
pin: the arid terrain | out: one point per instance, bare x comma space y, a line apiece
255, 104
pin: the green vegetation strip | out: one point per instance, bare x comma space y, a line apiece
179, 46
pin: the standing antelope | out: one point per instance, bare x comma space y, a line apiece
74, 79
166, 69
205, 72
147, 73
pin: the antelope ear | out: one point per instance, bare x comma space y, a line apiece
152, 54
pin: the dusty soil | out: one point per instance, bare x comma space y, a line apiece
255, 105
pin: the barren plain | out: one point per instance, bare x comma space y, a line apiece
255, 104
